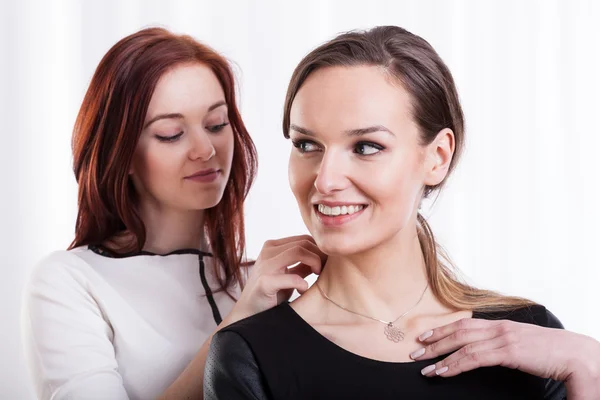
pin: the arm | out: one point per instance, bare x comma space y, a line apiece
67, 341
189, 385
270, 283
232, 372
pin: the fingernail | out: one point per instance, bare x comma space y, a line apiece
428, 369
417, 353
441, 370
426, 335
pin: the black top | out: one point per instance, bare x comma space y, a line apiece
276, 355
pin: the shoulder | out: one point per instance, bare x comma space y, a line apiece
232, 371
58, 266
535, 314
60, 277
269, 333
246, 355
274, 319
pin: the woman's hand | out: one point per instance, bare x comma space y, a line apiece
271, 281
545, 352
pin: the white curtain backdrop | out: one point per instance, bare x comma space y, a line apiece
520, 216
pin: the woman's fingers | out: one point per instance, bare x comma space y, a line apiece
452, 342
274, 248
440, 333
301, 270
469, 357
292, 256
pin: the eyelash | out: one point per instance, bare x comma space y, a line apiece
211, 129
168, 139
217, 128
299, 143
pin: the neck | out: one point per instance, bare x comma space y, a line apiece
382, 282
168, 230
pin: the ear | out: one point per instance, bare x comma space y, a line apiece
438, 157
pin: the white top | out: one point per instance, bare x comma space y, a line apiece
96, 327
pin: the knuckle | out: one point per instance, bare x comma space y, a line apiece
454, 365
459, 335
306, 243
475, 357
463, 323
467, 350
504, 328
432, 347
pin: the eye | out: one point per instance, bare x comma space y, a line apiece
305, 146
217, 128
367, 148
168, 139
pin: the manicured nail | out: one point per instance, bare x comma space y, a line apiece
428, 369
417, 353
441, 370
426, 335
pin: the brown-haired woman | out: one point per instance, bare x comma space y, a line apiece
164, 163
376, 126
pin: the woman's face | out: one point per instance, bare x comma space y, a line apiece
183, 158
357, 168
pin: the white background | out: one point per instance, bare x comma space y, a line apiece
520, 216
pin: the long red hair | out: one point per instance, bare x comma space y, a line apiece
106, 134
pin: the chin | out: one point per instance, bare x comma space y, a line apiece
205, 203
340, 246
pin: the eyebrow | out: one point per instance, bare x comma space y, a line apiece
180, 116
350, 132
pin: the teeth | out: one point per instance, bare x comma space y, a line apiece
339, 210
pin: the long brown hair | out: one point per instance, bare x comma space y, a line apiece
435, 106
107, 131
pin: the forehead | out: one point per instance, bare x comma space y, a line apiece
351, 97
186, 87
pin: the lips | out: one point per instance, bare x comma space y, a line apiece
205, 175
203, 172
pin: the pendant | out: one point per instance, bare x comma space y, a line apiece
393, 333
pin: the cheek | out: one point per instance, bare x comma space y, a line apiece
224, 146
156, 167
300, 179
396, 187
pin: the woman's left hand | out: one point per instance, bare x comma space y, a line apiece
545, 352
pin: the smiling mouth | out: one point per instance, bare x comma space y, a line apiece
336, 211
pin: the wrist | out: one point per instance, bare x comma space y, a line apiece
235, 315
585, 365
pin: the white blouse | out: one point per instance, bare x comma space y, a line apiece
99, 327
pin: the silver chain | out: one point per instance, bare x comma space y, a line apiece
389, 323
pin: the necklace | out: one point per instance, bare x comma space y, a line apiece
392, 332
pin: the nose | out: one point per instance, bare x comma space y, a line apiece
201, 147
331, 176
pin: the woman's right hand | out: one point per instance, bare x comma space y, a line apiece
272, 281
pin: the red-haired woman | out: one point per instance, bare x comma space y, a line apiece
164, 163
